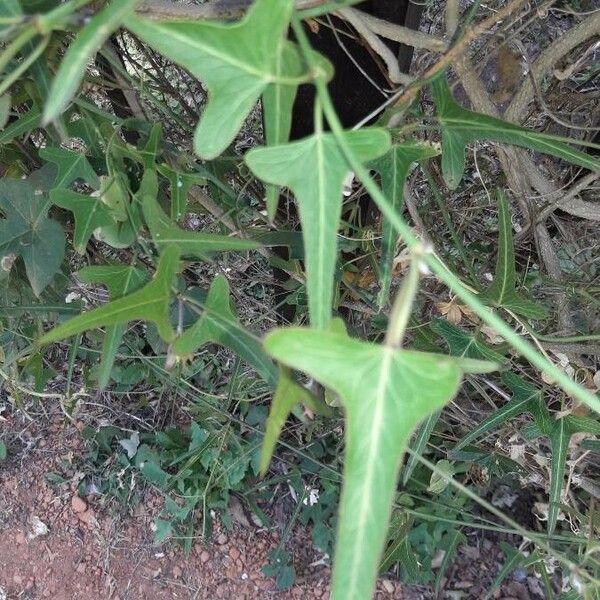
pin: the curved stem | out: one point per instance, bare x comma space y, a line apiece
432, 261
403, 304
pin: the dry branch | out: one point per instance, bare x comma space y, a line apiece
588, 28
396, 33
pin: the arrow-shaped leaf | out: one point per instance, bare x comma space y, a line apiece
393, 169
526, 399
236, 63
119, 280
90, 213
127, 214
23, 124
502, 292
27, 232
514, 560
314, 169
287, 394
385, 393
151, 303
218, 324
464, 344
180, 184
560, 435
278, 102
461, 126
165, 233
418, 444
71, 167
505, 278
5, 104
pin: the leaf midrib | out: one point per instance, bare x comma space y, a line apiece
375, 432
322, 318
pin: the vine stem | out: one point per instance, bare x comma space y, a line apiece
403, 303
430, 259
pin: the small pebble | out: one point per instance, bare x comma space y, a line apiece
78, 505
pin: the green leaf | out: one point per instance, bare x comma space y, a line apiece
165, 233
23, 124
418, 444
27, 232
163, 531
218, 324
10, 8
461, 126
314, 169
464, 344
149, 151
3, 452
119, 280
386, 393
115, 196
282, 237
502, 292
505, 278
439, 477
151, 303
560, 435
561, 431
89, 40
236, 62
452, 541
399, 529
32, 7
90, 213
514, 560
71, 167
5, 105
525, 400
287, 394
393, 168
180, 184
278, 102
583, 424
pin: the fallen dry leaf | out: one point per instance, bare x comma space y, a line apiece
454, 312
490, 335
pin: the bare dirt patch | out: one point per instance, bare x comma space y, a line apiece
56, 544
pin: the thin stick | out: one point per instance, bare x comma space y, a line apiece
458, 49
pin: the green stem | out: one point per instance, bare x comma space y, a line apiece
12, 20
432, 261
448, 221
403, 304
569, 339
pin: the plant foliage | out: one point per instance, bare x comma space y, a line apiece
165, 220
